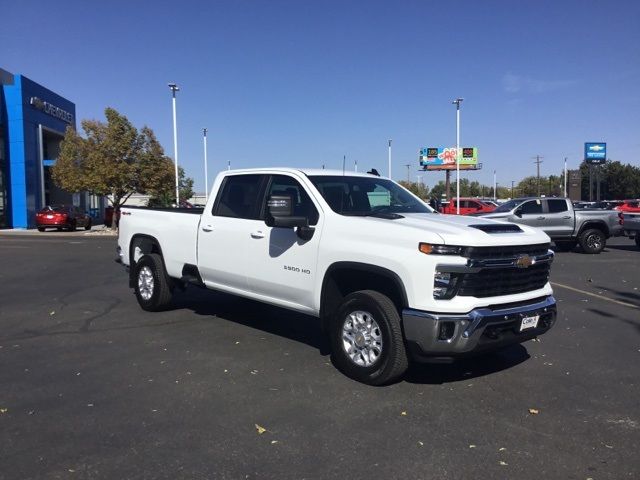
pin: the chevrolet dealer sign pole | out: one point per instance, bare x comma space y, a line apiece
457, 102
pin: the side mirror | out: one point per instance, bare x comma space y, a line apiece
518, 213
479, 207
279, 214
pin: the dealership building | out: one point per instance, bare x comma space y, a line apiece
33, 120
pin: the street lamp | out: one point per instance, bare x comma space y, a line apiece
457, 103
206, 183
390, 158
174, 88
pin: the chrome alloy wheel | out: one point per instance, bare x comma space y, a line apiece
593, 241
362, 338
145, 283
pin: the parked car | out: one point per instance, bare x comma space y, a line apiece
467, 207
632, 226
629, 206
389, 279
566, 226
62, 216
108, 216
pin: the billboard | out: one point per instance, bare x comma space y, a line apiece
595, 153
443, 158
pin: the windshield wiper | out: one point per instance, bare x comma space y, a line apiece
386, 215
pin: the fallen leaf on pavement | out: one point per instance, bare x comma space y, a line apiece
534, 411
502, 449
404, 414
472, 446
53, 312
504, 464
3, 410
260, 429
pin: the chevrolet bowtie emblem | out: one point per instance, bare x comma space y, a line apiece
524, 261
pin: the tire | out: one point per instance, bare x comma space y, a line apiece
383, 338
88, 225
152, 284
638, 239
592, 241
565, 245
41, 229
72, 226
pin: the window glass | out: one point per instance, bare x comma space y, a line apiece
302, 204
239, 197
531, 207
366, 195
557, 206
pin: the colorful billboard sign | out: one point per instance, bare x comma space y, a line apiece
595, 153
439, 158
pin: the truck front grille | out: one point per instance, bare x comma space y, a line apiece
491, 282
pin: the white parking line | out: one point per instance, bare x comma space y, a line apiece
601, 297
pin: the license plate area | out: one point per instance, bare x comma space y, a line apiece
529, 321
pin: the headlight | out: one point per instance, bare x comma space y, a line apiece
431, 249
444, 285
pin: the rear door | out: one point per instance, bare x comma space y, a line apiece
559, 220
227, 229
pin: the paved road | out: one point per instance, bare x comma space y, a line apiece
93, 387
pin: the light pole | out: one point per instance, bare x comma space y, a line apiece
206, 183
390, 158
457, 103
565, 177
495, 186
174, 88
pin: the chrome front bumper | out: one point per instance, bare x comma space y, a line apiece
482, 329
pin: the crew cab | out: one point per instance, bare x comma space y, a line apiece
467, 207
565, 225
389, 278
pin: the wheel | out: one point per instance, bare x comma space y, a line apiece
565, 245
59, 229
152, 284
592, 240
638, 239
41, 229
88, 225
72, 226
366, 339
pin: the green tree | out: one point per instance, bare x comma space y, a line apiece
167, 198
418, 189
113, 159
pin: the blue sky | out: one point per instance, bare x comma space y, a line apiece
302, 83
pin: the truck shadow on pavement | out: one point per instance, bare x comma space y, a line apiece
306, 329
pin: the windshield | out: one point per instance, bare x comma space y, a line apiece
359, 196
508, 206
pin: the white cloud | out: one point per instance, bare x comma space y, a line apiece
522, 84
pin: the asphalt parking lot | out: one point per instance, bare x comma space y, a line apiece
94, 387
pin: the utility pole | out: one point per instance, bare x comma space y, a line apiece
565, 177
356, 165
390, 158
206, 183
408, 165
457, 103
538, 162
495, 186
512, 182
174, 88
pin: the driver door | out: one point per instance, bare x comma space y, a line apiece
530, 213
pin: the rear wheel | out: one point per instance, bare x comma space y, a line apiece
565, 245
638, 239
88, 225
72, 226
366, 339
592, 240
41, 229
152, 284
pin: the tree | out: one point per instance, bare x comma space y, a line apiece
418, 189
168, 198
114, 160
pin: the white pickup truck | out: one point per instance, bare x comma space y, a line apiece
389, 278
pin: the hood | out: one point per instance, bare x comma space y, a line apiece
460, 230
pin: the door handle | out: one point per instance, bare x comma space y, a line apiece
207, 228
566, 218
257, 234
540, 218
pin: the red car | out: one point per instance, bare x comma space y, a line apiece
632, 206
60, 217
467, 206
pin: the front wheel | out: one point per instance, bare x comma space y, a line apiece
592, 241
88, 225
366, 339
152, 284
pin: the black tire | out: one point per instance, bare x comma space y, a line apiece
592, 241
391, 362
88, 225
72, 226
638, 239
161, 289
41, 229
59, 229
565, 245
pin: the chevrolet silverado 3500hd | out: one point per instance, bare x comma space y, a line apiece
389, 278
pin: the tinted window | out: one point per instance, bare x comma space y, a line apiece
239, 197
557, 206
365, 195
302, 204
531, 207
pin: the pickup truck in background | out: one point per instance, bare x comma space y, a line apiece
632, 226
388, 277
565, 225
467, 207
